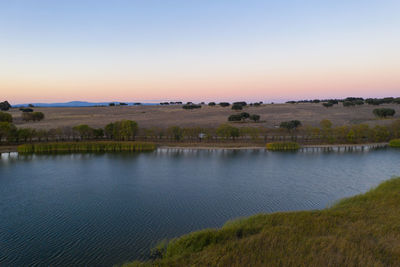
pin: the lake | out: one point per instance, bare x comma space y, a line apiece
105, 209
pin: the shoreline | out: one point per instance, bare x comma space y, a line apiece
233, 146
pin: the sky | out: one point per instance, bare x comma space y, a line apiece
198, 50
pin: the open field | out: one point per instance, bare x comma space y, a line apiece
358, 231
165, 116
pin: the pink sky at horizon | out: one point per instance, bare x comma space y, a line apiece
151, 51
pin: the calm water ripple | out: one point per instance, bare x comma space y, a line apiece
104, 209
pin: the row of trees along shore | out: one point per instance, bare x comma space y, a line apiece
127, 130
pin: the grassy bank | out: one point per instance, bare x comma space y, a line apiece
395, 143
71, 147
359, 231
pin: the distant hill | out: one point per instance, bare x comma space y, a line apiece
78, 104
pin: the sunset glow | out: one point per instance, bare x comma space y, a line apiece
150, 51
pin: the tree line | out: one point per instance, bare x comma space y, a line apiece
127, 130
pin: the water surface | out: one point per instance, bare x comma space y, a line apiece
103, 209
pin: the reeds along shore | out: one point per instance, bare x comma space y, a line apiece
283, 146
86, 147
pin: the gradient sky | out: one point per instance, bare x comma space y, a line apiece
198, 50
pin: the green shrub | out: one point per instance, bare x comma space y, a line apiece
283, 146
395, 143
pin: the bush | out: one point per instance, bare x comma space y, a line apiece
384, 112
211, 104
283, 146
395, 143
5, 117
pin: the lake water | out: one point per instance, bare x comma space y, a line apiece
104, 209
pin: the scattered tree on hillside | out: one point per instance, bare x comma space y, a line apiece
384, 112
290, 125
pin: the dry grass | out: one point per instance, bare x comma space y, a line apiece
360, 231
165, 116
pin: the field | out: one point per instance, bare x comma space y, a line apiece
165, 116
359, 231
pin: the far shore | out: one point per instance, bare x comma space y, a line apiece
233, 146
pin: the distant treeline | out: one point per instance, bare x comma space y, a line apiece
127, 130
351, 101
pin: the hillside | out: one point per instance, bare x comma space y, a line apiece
165, 116
359, 231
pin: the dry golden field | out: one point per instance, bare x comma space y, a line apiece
165, 116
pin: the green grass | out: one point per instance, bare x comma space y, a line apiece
72, 147
395, 143
359, 231
283, 146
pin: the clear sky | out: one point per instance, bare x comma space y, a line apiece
198, 50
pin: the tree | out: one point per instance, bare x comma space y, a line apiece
109, 131
237, 107
191, 106
98, 133
235, 117
121, 130
384, 112
4, 106
5, 117
224, 104
255, 117
176, 132
6, 130
244, 115
326, 124
84, 131
242, 103
111, 104
25, 134
211, 104
290, 125
228, 131
125, 130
